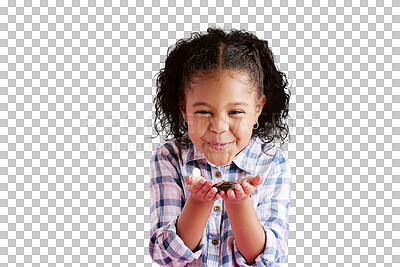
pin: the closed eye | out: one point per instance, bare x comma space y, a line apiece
236, 112
202, 112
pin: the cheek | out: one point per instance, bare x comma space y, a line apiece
241, 124
199, 123
197, 127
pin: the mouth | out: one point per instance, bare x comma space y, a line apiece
220, 145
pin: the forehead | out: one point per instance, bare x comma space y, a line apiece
220, 79
220, 89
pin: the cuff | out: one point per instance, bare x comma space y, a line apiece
167, 241
269, 257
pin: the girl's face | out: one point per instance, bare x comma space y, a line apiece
220, 111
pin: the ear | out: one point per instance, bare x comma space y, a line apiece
182, 108
260, 105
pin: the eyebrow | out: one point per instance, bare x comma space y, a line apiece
230, 104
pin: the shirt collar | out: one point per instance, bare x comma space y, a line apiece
191, 153
245, 159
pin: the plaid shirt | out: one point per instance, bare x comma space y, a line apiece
168, 193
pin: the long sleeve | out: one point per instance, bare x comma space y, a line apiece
167, 201
217, 247
273, 213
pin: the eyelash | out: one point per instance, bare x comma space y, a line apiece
235, 112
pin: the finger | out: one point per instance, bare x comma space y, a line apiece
258, 179
222, 194
216, 196
188, 179
239, 181
230, 194
206, 187
211, 193
199, 184
254, 181
239, 191
246, 187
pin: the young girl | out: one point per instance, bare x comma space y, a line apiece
223, 101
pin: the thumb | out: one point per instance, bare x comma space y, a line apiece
256, 180
188, 179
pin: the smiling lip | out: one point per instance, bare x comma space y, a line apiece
219, 146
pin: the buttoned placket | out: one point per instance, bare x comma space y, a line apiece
215, 222
217, 177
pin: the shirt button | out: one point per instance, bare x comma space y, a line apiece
217, 208
218, 174
214, 242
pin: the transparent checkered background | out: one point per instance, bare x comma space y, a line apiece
76, 114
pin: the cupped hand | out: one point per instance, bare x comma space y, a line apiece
201, 190
244, 188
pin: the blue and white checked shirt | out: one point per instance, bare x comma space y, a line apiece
168, 193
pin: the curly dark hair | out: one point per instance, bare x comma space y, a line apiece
211, 52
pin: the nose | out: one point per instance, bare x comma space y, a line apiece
220, 125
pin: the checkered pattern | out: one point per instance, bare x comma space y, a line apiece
76, 114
